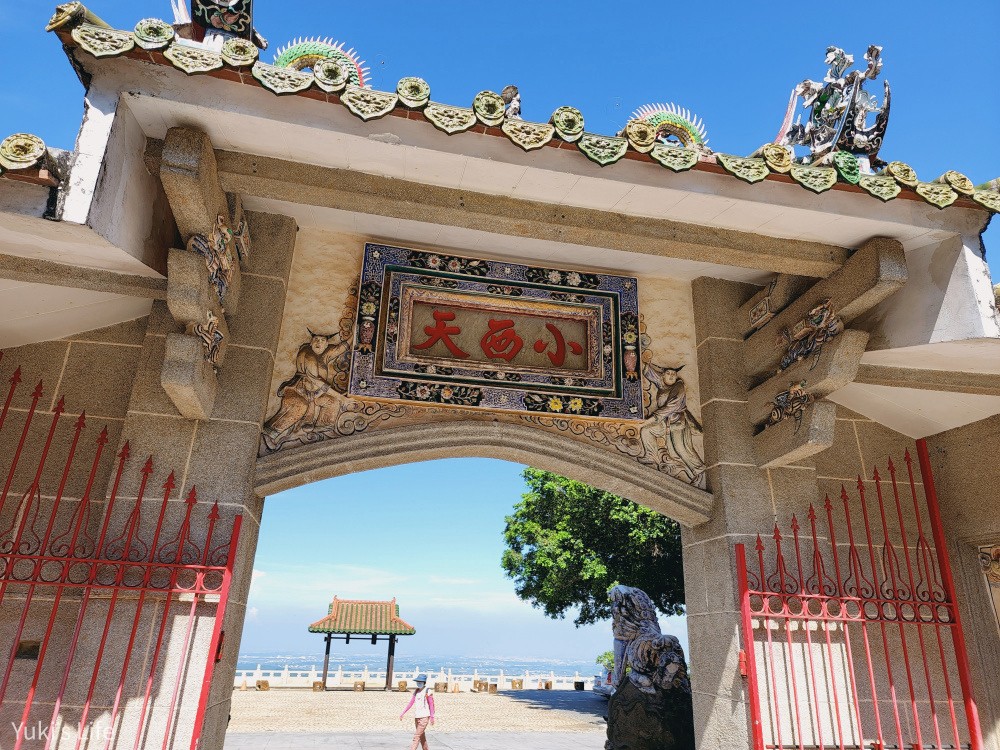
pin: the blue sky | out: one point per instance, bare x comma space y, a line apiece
430, 533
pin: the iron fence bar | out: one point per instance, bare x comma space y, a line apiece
944, 563
756, 729
66, 567
770, 644
819, 573
82, 612
855, 697
168, 488
145, 473
891, 562
182, 540
213, 516
35, 396
805, 627
881, 622
904, 540
14, 381
216, 643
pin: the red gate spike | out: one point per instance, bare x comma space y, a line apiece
14, 380
35, 396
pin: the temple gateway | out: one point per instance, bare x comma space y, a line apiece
253, 274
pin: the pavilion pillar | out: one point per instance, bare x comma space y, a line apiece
326, 658
390, 662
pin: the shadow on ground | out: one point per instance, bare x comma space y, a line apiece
583, 702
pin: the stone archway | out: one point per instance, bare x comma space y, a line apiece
469, 438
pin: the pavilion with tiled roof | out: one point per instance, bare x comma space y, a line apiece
378, 620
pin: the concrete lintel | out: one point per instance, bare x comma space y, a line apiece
788, 442
871, 275
976, 383
347, 190
836, 366
608, 471
37, 271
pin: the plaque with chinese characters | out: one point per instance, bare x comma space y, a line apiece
464, 332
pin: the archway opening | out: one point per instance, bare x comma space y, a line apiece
429, 534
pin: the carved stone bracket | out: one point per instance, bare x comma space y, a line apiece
799, 350
203, 280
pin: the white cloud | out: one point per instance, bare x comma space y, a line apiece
446, 581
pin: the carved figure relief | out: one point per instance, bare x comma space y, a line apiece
310, 398
809, 335
667, 435
790, 404
211, 337
218, 253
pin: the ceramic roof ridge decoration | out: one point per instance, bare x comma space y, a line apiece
21, 151
853, 154
838, 108
673, 124
303, 54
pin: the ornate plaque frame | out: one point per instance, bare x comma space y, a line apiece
590, 371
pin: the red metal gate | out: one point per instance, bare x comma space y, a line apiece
111, 595
852, 638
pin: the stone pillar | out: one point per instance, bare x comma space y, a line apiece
747, 502
217, 455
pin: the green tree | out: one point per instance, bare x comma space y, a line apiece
568, 543
606, 660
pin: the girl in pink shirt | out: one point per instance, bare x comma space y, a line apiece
422, 702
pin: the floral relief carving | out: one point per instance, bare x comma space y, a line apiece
817, 179
21, 151
936, 193
602, 150
102, 42
847, 166
192, 60
641, 135
240, 53
489, 107
413, 92
903, 173
777, 157
281, 80
450, 119
330, 75
568, 122
528, 135
987, 198
368, 104
958, 182
675, 158
749, 170
883, 187
152, 33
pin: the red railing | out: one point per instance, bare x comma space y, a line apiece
852, 638
63, 554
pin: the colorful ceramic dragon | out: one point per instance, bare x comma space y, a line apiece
302, 54
673, 124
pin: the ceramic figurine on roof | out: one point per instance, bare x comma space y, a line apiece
838, 112
512, 102
214, 21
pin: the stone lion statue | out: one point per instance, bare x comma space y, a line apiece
656, 660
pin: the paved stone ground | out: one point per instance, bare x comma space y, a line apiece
524, 720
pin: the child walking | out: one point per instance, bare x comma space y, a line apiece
422, 703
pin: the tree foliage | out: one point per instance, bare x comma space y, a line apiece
568, 543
